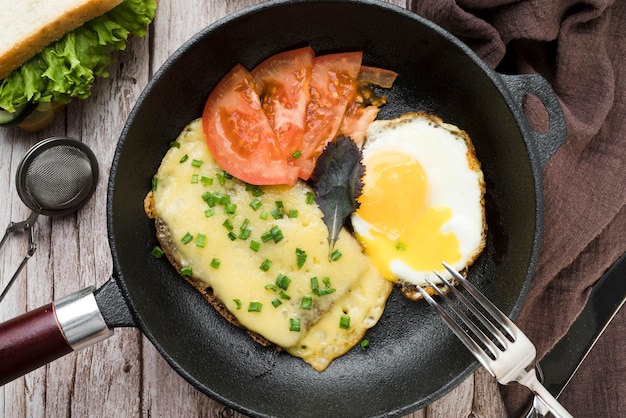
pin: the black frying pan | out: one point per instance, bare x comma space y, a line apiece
413, 358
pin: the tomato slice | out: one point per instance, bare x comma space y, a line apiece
356, 121
282, 82
239, 134
333, 83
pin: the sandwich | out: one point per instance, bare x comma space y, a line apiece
52, 51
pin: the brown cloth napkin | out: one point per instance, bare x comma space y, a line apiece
580, 48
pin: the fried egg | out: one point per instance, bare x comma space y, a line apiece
422, 201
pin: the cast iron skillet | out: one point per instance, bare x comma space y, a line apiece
413, 359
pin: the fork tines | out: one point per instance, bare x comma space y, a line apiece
477, 339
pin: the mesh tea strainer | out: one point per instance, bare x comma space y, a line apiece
56, 177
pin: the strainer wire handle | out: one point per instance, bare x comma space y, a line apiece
27, 226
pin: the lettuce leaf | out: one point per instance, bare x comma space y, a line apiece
67, 68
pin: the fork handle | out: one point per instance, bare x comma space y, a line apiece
532, 383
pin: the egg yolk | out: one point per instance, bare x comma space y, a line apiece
395, 203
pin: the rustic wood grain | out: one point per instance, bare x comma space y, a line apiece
123, 376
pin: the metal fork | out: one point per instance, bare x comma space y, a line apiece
498, 344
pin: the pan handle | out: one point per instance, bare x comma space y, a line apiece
547, 143
47, 333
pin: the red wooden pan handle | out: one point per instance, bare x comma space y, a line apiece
30, 341
47, 333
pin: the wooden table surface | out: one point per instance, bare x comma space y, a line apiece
123, 376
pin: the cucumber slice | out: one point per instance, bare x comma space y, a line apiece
14, 118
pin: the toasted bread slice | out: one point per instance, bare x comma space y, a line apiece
30, 25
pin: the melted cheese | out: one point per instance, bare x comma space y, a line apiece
239, 282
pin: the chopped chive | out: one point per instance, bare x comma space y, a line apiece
271, 286
276, 303
244, 234
209, 212
315, 284
174, 144
283, 281
266, 236
277, 213
255, 204
294, 324
209, 199
186, 239
215, 263
279, 204
186, 271
310, 198
157, 252
220, 179
245, 223
257, 192
264, 215
283, 295
400, 246
326, 281
365, 343
293, 213
196, 163
296, 154
184, 158
336, 255
232, 236
237, 303
306, 302
200, 240
344, 321
277, 234
218, 198
230, 208
228, 225
194, 179
300, 257
265, 265
325, 291
255, 307
255, 245
207, 181
227, 176
155, 183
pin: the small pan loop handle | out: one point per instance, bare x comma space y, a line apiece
546, 144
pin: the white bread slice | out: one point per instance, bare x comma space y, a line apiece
30, 25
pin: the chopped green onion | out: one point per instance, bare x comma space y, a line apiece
326, 281
266, 236
276, 302
207, 181
228, 225
365, 343
314, 284
174, 144
200, 240
277, 234
186, 271
306, 302
256, 204
400, 246
293, 213
230, 208
283, 281
255, 245
232, 236
294, 324
296, 154
300, 257
257, 192
255, 307
271, 286
244, 234
325, 291
220, 179
265, 265
264, 215
283, 295
344, 321
336, 255
209, 212
245, 223
227, 176
196, 163
157, 252
186, 239
310, 198
155, 182
237, 303
194, 179
184, 158
279, 204
215, 263
277, 213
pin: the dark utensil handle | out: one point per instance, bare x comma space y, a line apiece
30, 341
40, 336
546, 143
